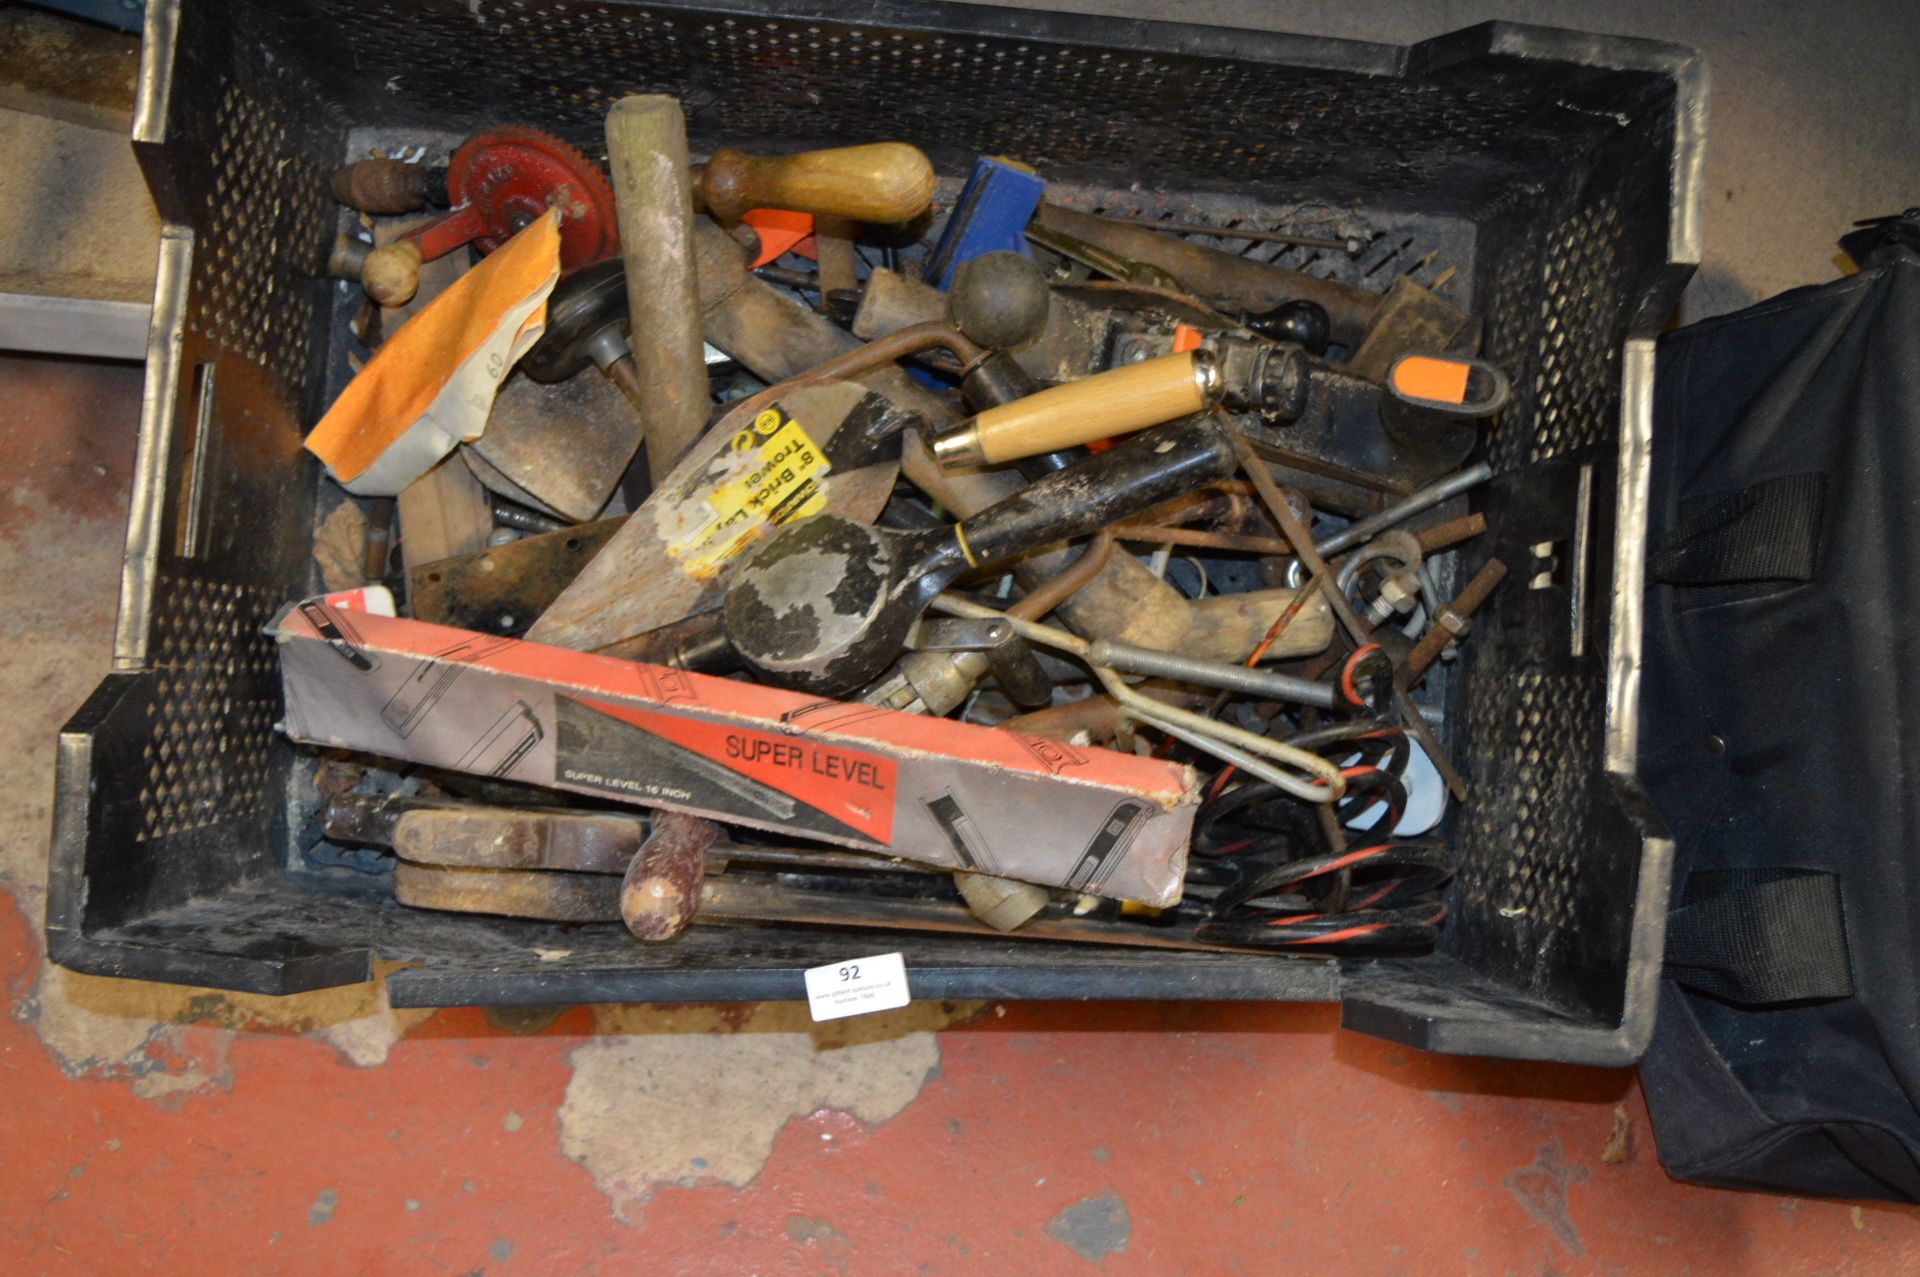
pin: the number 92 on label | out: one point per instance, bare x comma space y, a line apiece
856, 986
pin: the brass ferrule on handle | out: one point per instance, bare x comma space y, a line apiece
1116, 402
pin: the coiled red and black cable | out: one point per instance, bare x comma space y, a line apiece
1393, 900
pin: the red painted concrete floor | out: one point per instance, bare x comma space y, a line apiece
165, 1130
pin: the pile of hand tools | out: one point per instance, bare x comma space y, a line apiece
834, 554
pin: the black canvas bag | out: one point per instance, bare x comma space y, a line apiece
1781, 739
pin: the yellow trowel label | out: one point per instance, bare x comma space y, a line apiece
772, 474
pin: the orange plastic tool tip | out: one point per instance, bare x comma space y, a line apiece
778, 229
1435, 380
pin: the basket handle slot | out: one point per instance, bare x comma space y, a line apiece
190, 519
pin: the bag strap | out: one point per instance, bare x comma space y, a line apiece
1767, 532
1761, 936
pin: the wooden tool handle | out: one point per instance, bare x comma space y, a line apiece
383, 186
891, 301
880, 183
1228, 626
661, 892
1116, 402
647, 151
476, 837
1221, 278
833, 246
391, 273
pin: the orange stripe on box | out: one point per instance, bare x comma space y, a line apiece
585, 672
854, 788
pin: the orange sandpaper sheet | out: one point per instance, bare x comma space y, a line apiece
927, 789
431, 385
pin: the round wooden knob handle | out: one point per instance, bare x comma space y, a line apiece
391, 274
878, 183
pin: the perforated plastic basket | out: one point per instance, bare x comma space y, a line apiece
1552, 177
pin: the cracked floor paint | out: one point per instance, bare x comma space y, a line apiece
98, 1025
1542, 1188
1094, 1228
685, 1095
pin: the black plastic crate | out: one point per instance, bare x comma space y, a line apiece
1554, 175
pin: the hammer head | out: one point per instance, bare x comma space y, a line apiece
815, 608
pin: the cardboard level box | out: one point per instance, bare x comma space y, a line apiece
927, 789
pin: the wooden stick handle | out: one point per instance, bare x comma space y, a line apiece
647, 151
833, 245
881, 182
661, 892
1116, 402
891, 301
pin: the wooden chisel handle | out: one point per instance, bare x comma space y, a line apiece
661, 892
879, 183
388, 186
1116, 402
